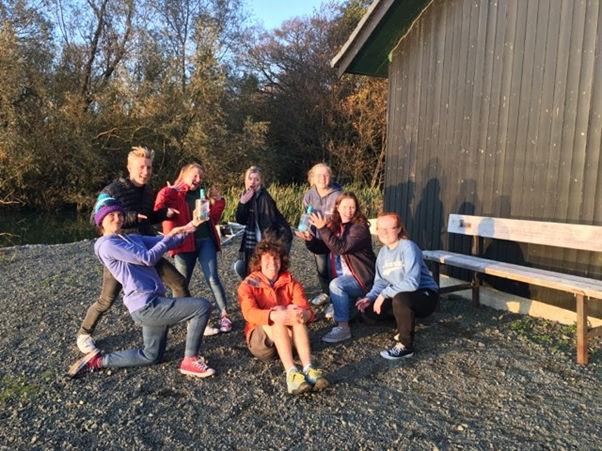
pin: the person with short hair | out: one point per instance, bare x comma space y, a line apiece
137, 199
347, 235
402, 285
204, 244
132, 259
322, 196
258, 212
277, 313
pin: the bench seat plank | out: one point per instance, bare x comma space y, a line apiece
559, 281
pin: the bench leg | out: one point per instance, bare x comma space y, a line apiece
476, 282
436, 273
581, 330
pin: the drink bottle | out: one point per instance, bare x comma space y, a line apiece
202, 206
304, 221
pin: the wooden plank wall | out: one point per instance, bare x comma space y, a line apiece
495, 110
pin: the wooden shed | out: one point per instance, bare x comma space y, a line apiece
494, 109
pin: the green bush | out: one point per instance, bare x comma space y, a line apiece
289, 200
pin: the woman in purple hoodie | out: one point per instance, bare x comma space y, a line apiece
131, 260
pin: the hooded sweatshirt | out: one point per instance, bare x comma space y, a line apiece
400, 269
131, 260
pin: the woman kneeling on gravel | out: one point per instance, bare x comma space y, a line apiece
274, 305
402, 284
131, 259
347, 235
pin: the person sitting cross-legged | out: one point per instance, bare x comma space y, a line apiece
277, 312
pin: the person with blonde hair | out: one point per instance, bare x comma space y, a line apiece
258, 212
136, 197
402, 285
277, 313
321, 196
204, 244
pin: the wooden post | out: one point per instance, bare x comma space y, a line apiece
436, 271
581, 330
476, 279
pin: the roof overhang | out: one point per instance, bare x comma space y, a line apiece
368, 49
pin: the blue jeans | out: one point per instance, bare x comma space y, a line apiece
207, 256
155, 318
344, 291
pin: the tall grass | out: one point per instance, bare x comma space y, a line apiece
289, 200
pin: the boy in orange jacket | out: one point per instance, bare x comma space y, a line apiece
277, 312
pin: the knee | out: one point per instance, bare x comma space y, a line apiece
213, 280
336, 287
152, 356
104, 303
204, 306
401, 300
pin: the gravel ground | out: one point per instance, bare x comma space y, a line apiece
480, 379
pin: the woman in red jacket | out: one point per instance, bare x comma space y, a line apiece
205, 243
277, 313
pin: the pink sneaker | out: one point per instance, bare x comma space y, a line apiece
89, 362
196, 366
225, 325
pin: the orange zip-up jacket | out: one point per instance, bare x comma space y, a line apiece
257, 297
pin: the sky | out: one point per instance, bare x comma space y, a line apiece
271, 13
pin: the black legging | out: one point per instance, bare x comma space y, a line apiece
408, 305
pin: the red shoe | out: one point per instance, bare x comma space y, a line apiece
196, 366
91, 361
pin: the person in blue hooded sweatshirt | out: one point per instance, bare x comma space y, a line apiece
402, 285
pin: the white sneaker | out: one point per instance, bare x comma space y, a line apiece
86, 344
337, 334
210, 330
319, 300
329, 312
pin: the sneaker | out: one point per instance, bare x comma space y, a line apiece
90, 362
196, 367
210, 330
225, 325
396, 337
399, 351
329, 312
319, 300
86, 344
296, 383
337, 334
314, 377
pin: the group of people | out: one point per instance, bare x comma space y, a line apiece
396, 284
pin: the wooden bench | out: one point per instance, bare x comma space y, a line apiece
571, 236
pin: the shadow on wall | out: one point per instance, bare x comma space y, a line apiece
407, 192
429, 221
465, 203
505, 251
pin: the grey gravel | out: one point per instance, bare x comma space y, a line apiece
480, 378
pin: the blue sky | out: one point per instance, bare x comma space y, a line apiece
271, 13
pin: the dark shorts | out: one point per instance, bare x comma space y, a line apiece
260, 345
